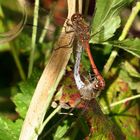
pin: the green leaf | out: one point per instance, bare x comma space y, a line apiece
106, 19
22, 100
135, 85
10, 130
61, 131
85, 62
131, 70
3, 47
133, 82
130, 45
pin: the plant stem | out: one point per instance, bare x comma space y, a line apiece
34, 33
125, 31
44, 32
18, 64
48, 119
122, 101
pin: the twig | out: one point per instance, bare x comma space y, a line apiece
122, 101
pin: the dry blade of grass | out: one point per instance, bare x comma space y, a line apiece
47, 84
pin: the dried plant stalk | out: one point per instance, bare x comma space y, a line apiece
48, 83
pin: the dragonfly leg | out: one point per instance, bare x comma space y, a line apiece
68, 31
64, 46
69, 25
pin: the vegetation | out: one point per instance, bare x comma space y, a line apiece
25, 52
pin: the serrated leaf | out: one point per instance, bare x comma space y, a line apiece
131, 131
121, 89
22, 100
107, 31
28, 86
23, 42
130, 45
106, 19
10, 130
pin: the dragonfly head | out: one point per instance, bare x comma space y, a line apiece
76, 17
98, 84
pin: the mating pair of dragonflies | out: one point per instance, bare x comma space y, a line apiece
81, 32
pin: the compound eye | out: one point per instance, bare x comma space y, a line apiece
80, 17
77, 17
74, 17
96, 86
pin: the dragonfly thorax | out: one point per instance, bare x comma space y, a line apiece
81, 28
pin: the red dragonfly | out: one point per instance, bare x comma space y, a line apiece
82, 33
81, 30
87, 91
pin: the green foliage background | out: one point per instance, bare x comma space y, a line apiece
122, 80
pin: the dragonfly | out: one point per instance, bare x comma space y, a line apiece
82, 34
81, 30
91, 89
77, 24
